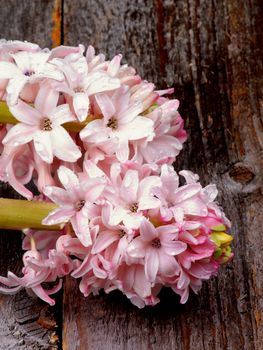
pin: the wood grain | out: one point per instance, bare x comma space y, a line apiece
211, 52
23, 319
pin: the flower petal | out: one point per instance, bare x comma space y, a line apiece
46, 99
19, 134
43, 146
63, 146
185, 192
173, 247
147, 230
25, 113
122, 152
61, 114
137, 248
81, 105
58, 195
151, 264
104, 240
14, 88
68, 178
130, 113
168, 265
80, 224
9, 70
94, 132
58, 216
139, 128
100, 81
129, 186
141, 285
106, 106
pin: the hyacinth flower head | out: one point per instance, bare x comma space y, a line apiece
96, 142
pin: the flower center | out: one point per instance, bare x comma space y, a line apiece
112, 123
46, 124
79, 205
79, 89
156, 243
122, 233
28, 73
134, 207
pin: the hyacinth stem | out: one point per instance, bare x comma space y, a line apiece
19, 214
6, 117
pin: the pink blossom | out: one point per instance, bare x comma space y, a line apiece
36, 271
121, 124
125, 220
117, 237
80, 83
157, 246
125, 73
42, 124
132, 281
169, 136
16, 168
28, 67
131, 196
77, 203
95, 62
144, 92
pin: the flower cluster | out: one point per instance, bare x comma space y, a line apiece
98, 141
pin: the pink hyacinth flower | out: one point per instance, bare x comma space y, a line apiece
131, 196
36, 271
158, 245
42, 124
76, 203
121, 123
80, 83
29, 67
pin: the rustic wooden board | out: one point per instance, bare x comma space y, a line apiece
212, 53
24, 321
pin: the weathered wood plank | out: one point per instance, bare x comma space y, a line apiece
24, 320
212, 53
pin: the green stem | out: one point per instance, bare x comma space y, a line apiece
19, 214
6, 117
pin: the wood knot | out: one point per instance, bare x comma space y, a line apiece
241, 173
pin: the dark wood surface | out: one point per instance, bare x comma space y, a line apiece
211, 52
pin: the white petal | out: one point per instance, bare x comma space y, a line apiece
151, 264
94, 132
13, 89
106, 106
63, 146
30, 60
68, 178
43, 147
46, 99
58, 216
99, 82
122, 152
9, 70
129, 186
129, 114
25, 113
81, 105
19, 134
61, 114
49, 71
139, 128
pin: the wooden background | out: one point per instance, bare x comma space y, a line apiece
211, 52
